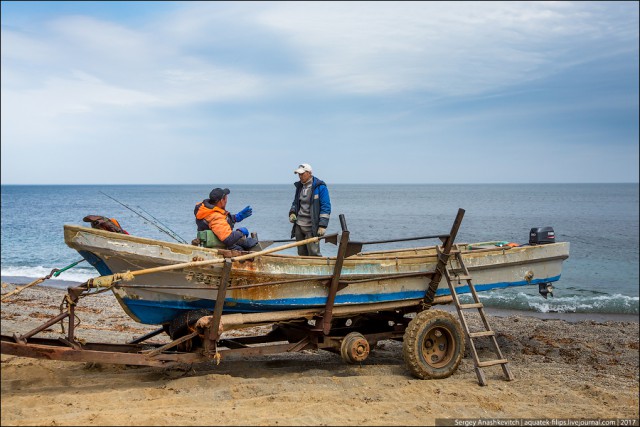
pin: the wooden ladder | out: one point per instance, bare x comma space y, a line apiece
462, 273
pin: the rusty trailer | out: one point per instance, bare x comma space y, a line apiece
352, 336
433, 340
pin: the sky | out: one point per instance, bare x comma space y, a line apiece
365, 92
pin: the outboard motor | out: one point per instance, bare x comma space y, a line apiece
542, 236
545, 289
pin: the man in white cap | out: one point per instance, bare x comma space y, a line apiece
310, 210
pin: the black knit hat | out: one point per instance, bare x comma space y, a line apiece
217, 194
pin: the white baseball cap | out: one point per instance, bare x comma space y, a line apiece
303, 168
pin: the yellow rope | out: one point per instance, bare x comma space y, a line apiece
18, 290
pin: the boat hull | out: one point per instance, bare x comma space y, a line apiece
276, 282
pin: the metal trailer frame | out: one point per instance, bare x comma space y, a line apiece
350, 331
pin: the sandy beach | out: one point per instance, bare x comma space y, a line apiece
580, 368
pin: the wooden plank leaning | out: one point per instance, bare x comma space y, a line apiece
337, 271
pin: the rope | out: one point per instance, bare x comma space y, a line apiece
55, 272
58, 272
68, 302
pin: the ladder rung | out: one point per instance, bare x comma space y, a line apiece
461, 277
474, 305
481, 334
492, 362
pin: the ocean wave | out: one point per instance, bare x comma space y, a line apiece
589, 303
75, 274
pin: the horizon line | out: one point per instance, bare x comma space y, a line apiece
334, 183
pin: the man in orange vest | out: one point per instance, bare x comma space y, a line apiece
211, 214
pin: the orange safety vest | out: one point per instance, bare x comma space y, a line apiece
217, 220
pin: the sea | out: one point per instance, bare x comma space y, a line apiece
600, 221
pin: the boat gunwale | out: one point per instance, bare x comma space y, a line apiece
391, 254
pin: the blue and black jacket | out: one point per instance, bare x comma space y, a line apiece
320, 205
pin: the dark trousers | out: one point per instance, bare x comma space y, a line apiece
244, 244
310, 249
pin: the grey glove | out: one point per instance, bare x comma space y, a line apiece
321, 231
293, 217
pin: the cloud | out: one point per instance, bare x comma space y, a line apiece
446, 49
276, 81
452, 48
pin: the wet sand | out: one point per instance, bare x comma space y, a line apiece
584, 368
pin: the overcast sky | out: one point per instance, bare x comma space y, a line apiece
366, 92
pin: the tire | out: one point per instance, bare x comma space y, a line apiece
180, 325
433, 345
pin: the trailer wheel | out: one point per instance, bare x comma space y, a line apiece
354, 348
433, 345
181, 326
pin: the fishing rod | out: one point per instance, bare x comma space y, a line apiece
174, 236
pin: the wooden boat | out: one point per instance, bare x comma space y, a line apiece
275, 282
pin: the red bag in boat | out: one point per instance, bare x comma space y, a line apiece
104, 223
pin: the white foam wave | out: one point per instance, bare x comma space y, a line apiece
77, 274
613, 303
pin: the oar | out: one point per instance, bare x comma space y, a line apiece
266, 243
354, 247
105, 281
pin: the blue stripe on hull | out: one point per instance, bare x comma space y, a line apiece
159, 312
